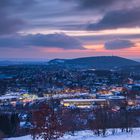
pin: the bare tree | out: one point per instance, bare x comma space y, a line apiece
46, 125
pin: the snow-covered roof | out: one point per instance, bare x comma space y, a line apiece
116, 97
83, 100
8, 97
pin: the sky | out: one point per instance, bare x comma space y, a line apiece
47, 29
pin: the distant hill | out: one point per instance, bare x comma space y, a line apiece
137, 60
7, 63
100, 62
11, 63
133, 69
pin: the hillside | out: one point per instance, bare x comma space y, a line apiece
88, 135
134, 69
101, 62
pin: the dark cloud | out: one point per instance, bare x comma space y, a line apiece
9, 23
103, 5
95, 4
30, 15
15, 4
118, 19
54, 40
58, 40
118, 44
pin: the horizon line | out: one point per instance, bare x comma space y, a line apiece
48, 59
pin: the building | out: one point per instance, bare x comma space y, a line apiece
83, 103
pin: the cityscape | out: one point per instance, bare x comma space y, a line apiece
69, 70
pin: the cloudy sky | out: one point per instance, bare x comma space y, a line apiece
46, 29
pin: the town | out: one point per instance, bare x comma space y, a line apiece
79, 95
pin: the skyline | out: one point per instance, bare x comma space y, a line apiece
68, 29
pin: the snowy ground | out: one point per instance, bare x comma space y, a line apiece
88, 135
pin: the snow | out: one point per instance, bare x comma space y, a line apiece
88, 135
21, 138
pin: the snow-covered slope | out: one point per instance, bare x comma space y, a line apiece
88, 135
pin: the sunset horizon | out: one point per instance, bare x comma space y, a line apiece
69, 29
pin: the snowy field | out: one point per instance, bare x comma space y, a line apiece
88, 135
